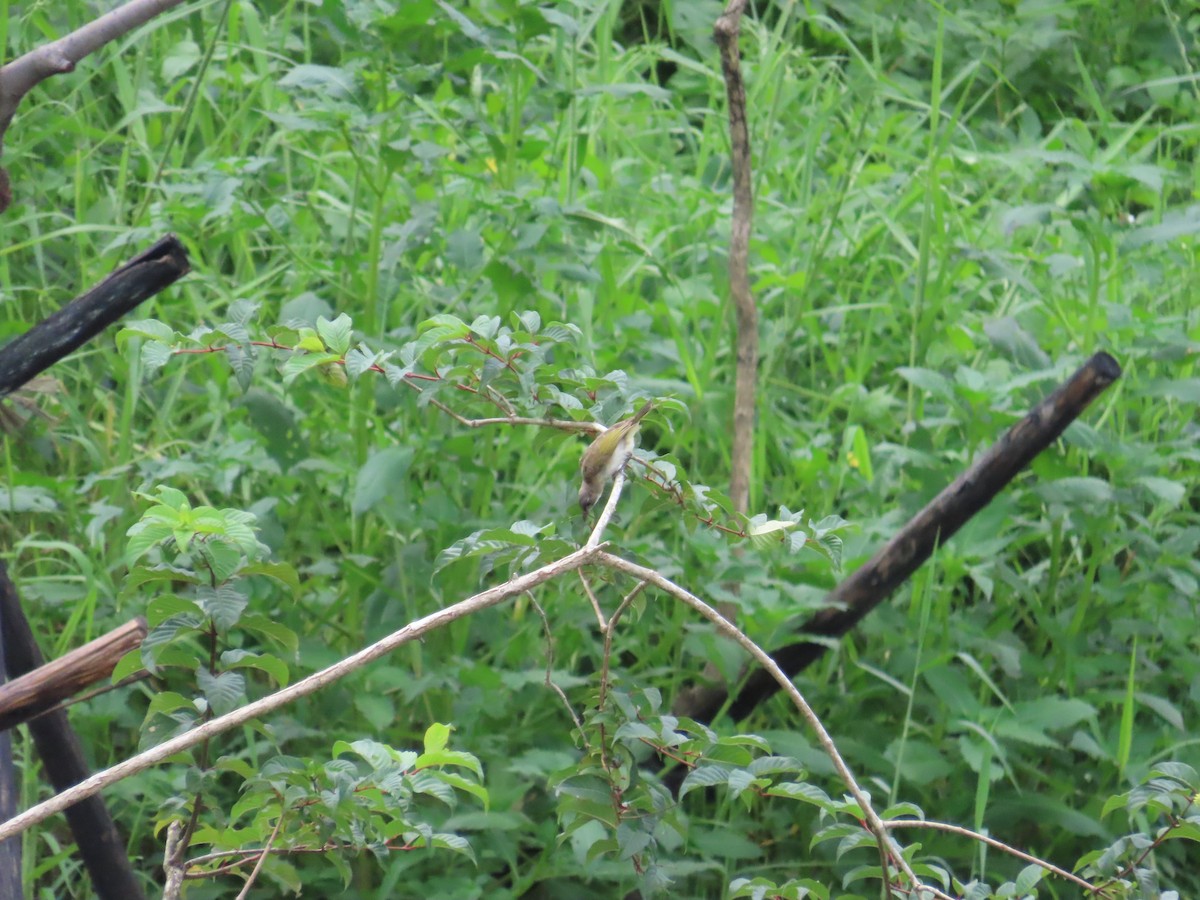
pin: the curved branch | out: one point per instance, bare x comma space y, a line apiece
871, 818
302, 688
23, 74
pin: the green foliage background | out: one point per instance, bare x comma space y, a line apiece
955, 207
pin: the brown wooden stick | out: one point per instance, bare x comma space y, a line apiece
725, 33
87, 315
100, 845
35, 692
870, 585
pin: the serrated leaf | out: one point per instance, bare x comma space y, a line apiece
298, 364
766, 535
437, 736
272, 666
155, 355
223, 604
336, 334
704, 776
152, 329
360, 360
224, 692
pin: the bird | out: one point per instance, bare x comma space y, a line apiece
605, 456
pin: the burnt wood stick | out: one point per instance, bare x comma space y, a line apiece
875, 580
87, 315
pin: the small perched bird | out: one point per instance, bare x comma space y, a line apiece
606, 455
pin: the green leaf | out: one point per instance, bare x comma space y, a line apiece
378, 709
272, 630
152, 329
380, 476
278, 571
324, 80
129, 664
224, 692
223, 604
271, 666
335, 335
437, 736
297, 364
931, 382
767, 534
704, 776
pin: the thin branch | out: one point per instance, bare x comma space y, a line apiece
726, 32
560, 424
483, 600
610, 508
21, 75
266, 851
991, 842
591, 595
549, 681
873, 822
609, 629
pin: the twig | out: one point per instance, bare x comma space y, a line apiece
873, 822
610, 507
591, 595
560, 424
19, 77
726, 32
991, 842
414, 630
266, 851
550, 683
608, 629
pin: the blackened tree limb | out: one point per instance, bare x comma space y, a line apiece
99, 843
23, 74
871, 584
726, 32
86, 316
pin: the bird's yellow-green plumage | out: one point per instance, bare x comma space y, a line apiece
605, 456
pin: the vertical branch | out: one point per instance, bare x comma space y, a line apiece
726, 35
10, 851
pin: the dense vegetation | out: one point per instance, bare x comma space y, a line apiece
954, 208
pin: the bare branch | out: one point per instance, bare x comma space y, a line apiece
560, 424
245, 891
991, 842
726, 34
609, 508
874, 823
172, 864
96, 783
19, 77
